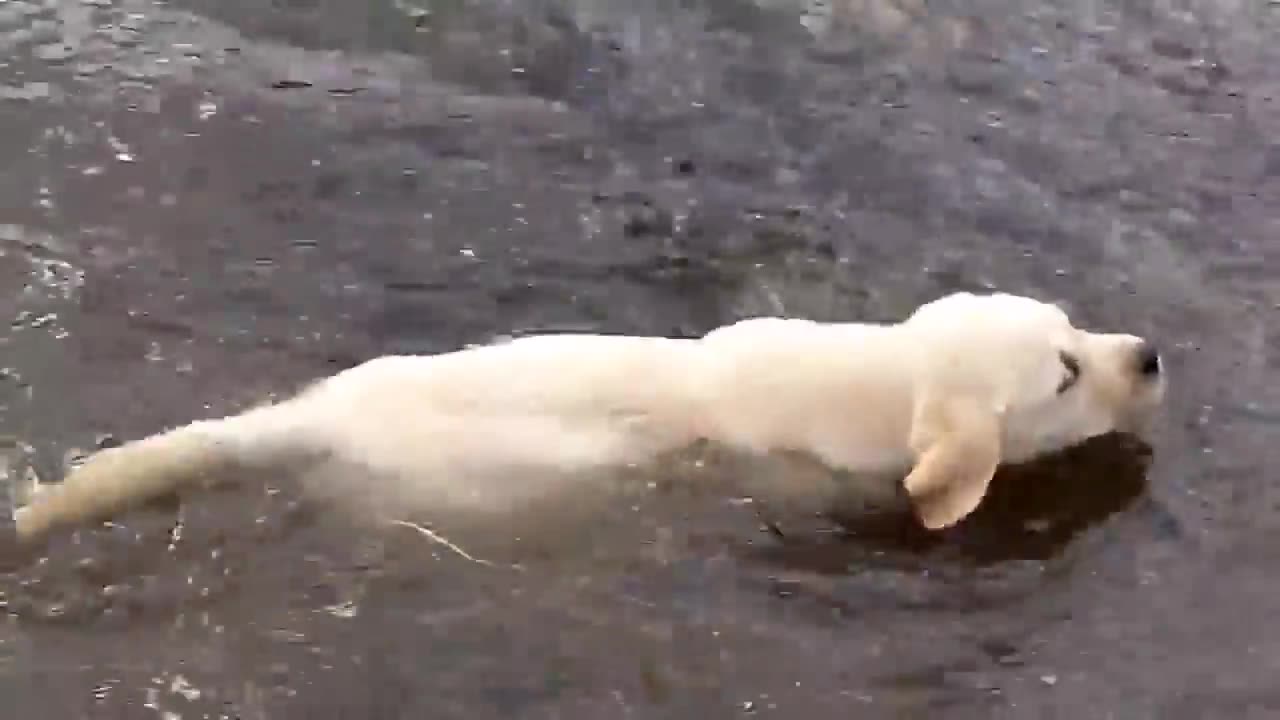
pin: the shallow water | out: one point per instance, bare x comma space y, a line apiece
208, 202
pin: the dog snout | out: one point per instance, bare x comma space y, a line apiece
1148, 360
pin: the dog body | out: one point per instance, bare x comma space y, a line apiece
938, 401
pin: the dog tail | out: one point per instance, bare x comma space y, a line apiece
111, 481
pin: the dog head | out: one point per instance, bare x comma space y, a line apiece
1003, 379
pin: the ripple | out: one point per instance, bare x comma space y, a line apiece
29, 92
54, 53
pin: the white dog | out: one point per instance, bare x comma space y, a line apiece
938, 401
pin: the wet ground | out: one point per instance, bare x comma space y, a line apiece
206, 202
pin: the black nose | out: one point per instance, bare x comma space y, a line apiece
1148, 360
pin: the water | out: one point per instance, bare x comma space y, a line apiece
207, 203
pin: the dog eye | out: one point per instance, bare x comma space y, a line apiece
1072, 365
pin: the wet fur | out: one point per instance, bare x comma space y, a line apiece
937, 402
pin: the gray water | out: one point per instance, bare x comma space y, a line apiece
205, 203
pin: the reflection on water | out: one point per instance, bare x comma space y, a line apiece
1033, 512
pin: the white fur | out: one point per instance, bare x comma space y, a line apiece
966, 382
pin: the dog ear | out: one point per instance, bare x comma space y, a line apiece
958, 449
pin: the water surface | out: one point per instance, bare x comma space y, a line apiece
208, 202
